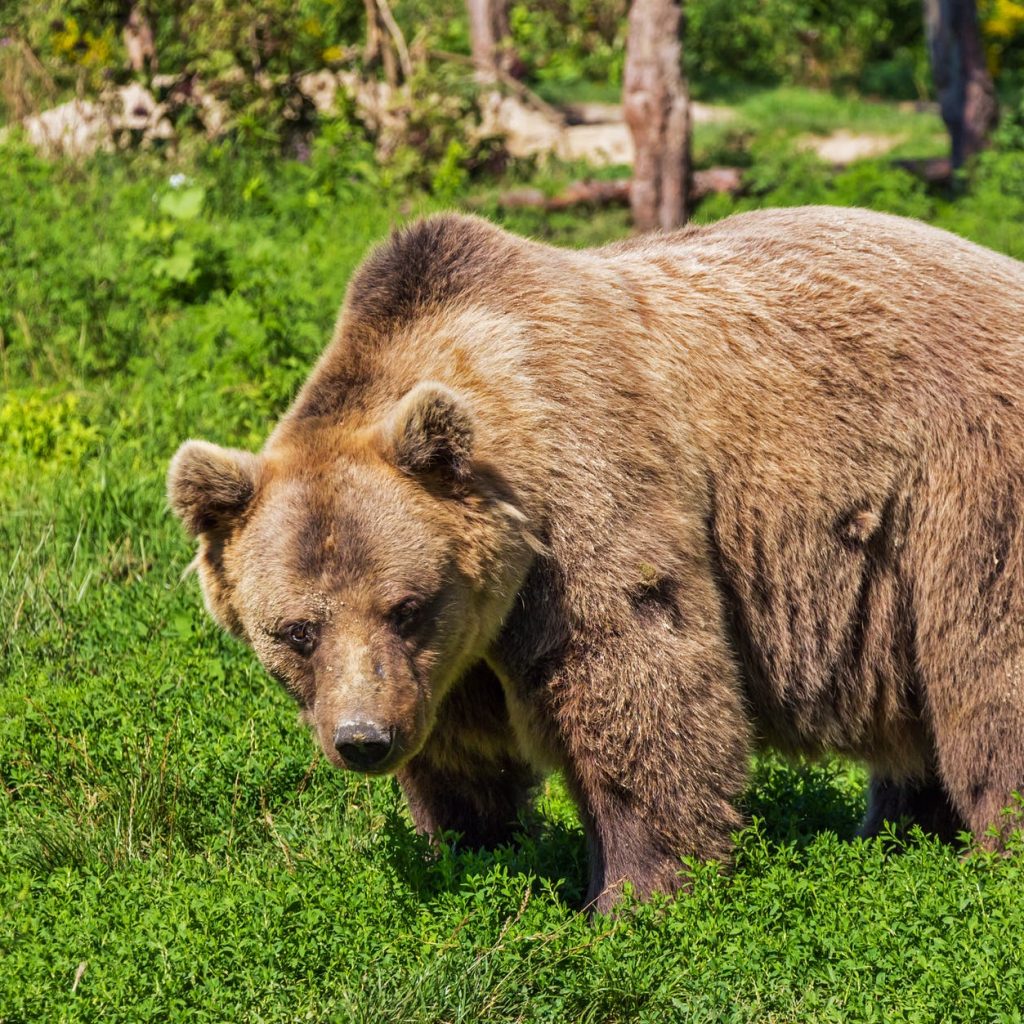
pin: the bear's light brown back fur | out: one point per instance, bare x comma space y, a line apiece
756, 482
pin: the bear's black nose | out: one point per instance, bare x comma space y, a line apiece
363, 745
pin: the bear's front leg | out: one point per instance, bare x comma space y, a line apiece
469, 777
657, 750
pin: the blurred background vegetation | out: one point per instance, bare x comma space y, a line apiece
222, 67
874, 46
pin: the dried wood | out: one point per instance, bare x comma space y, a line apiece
606, 193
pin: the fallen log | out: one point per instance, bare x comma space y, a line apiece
607, 193
934, 170
729, 180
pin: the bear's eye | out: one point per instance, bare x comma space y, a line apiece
406, 617
301, 635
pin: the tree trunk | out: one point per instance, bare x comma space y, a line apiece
385, 43
964, 86
372, 47
138, 40
488, 39
657, 109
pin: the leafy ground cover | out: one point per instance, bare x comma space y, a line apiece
171, 847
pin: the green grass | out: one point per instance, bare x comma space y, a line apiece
819, 111
782, 114
785, 113
172, 848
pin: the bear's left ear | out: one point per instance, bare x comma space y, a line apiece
209, 487
430, 430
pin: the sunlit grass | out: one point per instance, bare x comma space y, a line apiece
172, 846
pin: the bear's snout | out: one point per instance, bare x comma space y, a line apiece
364, 746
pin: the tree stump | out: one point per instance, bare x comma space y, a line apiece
962, 81
657, 110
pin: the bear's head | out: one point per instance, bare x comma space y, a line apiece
368, 568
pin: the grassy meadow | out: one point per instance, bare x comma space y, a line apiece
171, 848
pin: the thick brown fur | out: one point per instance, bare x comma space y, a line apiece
758, 482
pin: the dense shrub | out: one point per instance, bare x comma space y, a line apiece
878, 43
210, 37
811, 42
202, 253
245, 46
572, 40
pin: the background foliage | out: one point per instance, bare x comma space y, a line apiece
874, 45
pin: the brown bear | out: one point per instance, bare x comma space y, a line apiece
628, 512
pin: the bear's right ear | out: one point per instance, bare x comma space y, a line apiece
209, 486
430, 430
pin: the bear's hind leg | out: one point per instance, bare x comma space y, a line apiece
966, 556
981, 764
469, 778
911, 802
